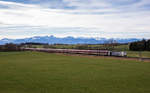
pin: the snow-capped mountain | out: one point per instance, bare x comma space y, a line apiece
66, 40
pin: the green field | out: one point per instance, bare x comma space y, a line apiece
35, 72
145, 54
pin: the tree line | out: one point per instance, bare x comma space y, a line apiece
10, 47
143, 45
18, 47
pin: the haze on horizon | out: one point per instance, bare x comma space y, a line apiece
77, 18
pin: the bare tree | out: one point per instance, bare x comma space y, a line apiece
110, 44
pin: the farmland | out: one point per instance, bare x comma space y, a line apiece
36, 72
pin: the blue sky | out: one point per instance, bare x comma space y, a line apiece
78, 18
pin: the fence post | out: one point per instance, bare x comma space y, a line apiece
140, 56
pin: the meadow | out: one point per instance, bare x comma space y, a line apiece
37, 72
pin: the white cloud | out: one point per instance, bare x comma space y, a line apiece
107, 22
87, 3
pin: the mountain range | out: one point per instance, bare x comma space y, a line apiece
66, 40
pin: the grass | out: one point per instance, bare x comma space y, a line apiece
145, 54
35, 72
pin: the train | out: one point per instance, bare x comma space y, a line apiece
77, 51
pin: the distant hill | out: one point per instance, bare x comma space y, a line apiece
66, 40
